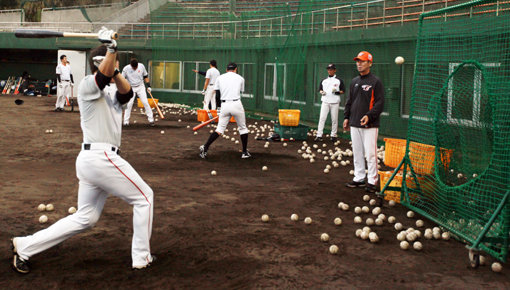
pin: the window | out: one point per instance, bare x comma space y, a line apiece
194, 81
166, 74
274, 81
406, 86
247, 71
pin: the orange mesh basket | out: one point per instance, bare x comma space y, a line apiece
289, 117
202, 115
151, 103
394, 151
422, 157
394, 195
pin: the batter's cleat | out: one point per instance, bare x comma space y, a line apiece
145, 266
203, 153
246, 155
318, 139
18, 264
354, 184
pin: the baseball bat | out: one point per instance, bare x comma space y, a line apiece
157, 107
37, 33
205, 123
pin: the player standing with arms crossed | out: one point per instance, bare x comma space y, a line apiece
136, 74
99, 168
330, 89
65, 83
228, 89
210, 78
361, 116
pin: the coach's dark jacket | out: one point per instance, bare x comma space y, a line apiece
366, 97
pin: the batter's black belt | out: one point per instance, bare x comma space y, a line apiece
101, 146
223, 101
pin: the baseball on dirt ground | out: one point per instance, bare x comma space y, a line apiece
49, 207
43, 219
265, 218
333, 249
41, 207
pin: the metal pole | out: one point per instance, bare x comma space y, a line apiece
366, 18
336, 18
324, 22
352, 12
311, 24
384, 14
402, 17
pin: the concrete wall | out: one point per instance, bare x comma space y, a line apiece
75, 15
10, 15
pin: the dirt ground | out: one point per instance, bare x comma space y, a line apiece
207, 229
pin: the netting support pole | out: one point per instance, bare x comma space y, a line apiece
490, 222
381, 194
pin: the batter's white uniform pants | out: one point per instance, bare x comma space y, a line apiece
229, 109
210, 97
364, 145
62, 93
101, 172
325, 109
140, 92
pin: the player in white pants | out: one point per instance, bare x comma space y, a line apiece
99, 168
210, 78
65, 83
361, 116
136, 74
228, 89
330, 88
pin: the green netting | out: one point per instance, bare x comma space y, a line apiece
458, 152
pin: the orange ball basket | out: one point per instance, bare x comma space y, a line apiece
151, 103
202, 115
289, 117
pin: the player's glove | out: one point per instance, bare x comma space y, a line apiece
323, 93
105, 36
203, 92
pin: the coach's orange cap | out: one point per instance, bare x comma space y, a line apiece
363, 56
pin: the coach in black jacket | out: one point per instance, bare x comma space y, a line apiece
361, 116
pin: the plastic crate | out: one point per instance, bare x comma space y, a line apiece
151, 103
394, 151
202, 115
286, 132
394, 195
289, 117
422, 157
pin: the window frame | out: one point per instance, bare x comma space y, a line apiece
164, 75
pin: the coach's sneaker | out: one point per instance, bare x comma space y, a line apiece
370, 188
146, 266
354, 184
246, 155
203, 153
18, 264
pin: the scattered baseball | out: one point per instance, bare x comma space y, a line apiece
213, 173
308, 220
265, 218
358, 233
237, 142
345, 207
340, 205
326, 171
372, 202
399, 60
482, 260
391, 203
338, 221
324, 237
195, 133
264, 168
376, 211
373, 237
49, 207
445, 236
370, 221
398, 226
411, 237
43, 219
419, 223
179, 120
404, 245
496, 267
364, 235
392, 219
410, 214
357, 210
366, 197
428, 234
379, 221
47, 131
333, 249
51, 131
187, 127
71, 210
357, 220
41, 207
294, 217
381, 217
284, 144
365, 209
417, 246
162, 132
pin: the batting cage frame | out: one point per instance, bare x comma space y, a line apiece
456, 166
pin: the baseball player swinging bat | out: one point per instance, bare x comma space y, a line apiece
157, 107
205, 123
37, 33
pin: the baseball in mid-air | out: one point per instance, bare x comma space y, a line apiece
49, 207
43, 219
308, 220
265, 218
399, 60
41, 207
213, 173
71, 210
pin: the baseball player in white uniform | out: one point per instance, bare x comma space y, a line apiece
210, 79
330, 89
136, 74
100, 169
228, 89
65, 83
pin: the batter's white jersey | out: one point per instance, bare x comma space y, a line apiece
230, 86
134, 76
212, 74
64, 71
100, 114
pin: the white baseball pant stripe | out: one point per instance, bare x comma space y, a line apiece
100, 173
62, 93
210, 97
325, 109
229, 109
140, 92
364, 145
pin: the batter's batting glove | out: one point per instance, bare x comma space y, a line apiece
203, 92
105, 36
